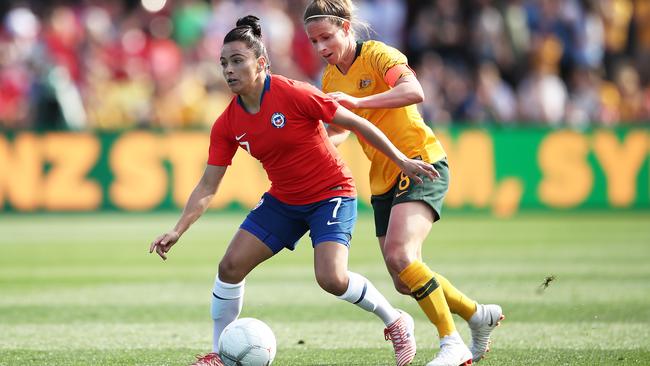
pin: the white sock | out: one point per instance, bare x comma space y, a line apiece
363, 294
227, 301
477, 317
453, 338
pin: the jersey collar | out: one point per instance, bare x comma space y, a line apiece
357, 53
267, 86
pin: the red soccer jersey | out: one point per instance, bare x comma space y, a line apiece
288, 138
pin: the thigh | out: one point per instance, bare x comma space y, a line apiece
330, 259
244, 253
409, 225
332, 220
275, 224
414, 208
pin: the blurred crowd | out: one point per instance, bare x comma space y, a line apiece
91, 64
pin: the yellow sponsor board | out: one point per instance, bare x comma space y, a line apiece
495, 170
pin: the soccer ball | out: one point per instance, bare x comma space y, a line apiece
247, 342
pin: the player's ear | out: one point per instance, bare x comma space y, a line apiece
261, 63
346, 27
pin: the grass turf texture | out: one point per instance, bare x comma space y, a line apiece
82, 290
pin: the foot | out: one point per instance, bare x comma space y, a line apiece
453, 352
210, 359
401, 333
482, 323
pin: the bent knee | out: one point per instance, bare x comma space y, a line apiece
335, 284
401, 287
229, 272
397, 260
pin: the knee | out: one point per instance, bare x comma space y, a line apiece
228, 271
397, 259
334, 283
401, 287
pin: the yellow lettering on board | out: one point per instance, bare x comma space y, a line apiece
245, 182
471, 165
621, 163
140, 180
21, 171
567, 179
188, 154
507, 197
359, 165
71, 155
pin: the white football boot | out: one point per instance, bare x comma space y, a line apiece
453, 352
402, 334
482, 323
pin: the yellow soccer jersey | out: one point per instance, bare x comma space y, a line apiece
403, 126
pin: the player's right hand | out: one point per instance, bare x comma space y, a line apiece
412, 167
164, 243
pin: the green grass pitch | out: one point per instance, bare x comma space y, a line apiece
83, 290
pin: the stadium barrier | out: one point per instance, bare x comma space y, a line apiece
497, 170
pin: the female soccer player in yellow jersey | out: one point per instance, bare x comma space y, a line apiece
375, 81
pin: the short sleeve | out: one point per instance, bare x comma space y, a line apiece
313, 103
222, 146
382, 58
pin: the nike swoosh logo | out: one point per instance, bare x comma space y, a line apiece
491, 322
333, 222
240, 137
400, 193
422, 290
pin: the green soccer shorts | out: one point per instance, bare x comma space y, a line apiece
432, 192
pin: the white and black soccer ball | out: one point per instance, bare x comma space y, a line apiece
247, 342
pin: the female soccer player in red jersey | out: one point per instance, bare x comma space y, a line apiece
278, 121
375, 82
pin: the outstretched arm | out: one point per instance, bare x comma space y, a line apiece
196, 205
406, 91
373, 135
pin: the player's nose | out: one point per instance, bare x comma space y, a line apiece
322, 49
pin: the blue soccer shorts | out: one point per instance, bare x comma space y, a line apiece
279, 225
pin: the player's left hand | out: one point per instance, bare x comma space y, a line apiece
413, 167
345, 100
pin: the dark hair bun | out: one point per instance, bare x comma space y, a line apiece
253, 22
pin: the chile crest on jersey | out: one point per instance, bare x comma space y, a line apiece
278, 120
